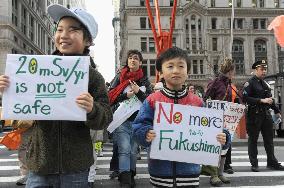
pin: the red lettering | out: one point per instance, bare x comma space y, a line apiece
161, 109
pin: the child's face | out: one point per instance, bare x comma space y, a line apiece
69, 37
174, 71
133, 62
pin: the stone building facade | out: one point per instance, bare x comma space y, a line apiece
25, 27
202, 27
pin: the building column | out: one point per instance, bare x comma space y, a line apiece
189, 33
148, 68
197, 33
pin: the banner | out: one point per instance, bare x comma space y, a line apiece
186, 134
45, 87
233, 113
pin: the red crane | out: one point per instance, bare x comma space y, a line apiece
163, 39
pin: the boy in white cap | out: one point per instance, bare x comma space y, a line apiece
61, 152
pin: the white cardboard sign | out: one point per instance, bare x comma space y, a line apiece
125, 110
233, 113
186, 134
45, 87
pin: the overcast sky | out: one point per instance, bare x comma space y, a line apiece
104, 55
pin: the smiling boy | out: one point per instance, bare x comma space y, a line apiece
60, 152
173, 66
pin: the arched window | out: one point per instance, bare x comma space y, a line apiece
260, 49
238, 56
260, 46
193, 26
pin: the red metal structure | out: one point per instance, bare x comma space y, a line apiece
163, 39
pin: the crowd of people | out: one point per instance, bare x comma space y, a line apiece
57, 153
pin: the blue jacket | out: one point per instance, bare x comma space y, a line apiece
162, 172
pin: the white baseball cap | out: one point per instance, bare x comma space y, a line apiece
58, 11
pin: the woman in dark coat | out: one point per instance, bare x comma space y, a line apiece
221, 88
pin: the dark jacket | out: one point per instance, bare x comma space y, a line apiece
57, 147
256, 89
123, 96
219, 89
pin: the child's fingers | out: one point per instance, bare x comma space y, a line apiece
150, 135
221, 138
85, 101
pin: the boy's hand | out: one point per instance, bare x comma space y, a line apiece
150, 135
221, 137
85, 101
4, 82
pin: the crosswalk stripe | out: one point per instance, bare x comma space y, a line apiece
8, 160
233, 157
137, 165
248, 163
259, 174
241, 164
247, 157
147, 176
236, 152
106, 166
110, 153
142, 158
9, 168
236, 174
9, 179
239, 159
109, 158
145, 153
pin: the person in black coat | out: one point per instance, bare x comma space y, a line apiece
257, 95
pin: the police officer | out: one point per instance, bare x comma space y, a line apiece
257, 95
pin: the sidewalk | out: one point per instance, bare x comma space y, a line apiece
244, 142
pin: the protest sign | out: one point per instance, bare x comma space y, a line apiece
186, 134
125, 110
233, 113
45, 87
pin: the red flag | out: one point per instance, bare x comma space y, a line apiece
277, 25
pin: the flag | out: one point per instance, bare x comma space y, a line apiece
277, 25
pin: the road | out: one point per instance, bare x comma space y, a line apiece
9, 170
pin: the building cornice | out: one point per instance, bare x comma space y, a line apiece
142, 11
243, 12
201, 10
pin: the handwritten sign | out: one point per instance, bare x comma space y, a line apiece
233, 113
45, 87
186, 134
125, 110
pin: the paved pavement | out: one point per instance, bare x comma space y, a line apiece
244, 142
243, 177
